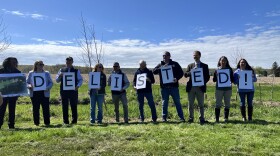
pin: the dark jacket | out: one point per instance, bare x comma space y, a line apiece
65, 69
215, 79
206, 76
102, 85
177, 73
150, 75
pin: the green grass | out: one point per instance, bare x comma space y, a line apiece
260, 137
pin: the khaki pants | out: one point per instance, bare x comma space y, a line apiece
223, 94
196, 92
116, 100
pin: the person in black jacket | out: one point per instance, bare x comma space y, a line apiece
170, 88
69, 95
10, 65
145, 92
97, 96
196, 91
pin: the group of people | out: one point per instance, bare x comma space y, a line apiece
167, 89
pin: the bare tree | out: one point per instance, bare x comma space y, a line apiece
92, 50
5, 40
236, 56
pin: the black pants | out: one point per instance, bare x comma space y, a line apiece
37, 100
12, 109
71, 96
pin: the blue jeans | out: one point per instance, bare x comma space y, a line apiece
250, 96
99, 99
174, 92
150, 99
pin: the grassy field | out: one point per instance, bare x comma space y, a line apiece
259, 137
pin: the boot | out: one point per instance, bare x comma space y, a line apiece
226, 113
217, 114
250, 113
243, 112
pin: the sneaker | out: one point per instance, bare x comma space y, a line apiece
164, 120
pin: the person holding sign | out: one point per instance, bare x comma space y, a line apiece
223, 77
244, 77
119, 83
97, 93
39, 83
70, 81
143, 80
198, 74
170, 72
10, 65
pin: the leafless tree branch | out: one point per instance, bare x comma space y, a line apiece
5, 39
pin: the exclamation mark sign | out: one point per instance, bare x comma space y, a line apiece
246, 79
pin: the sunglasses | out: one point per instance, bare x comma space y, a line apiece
100, 67
115, 66
41, 64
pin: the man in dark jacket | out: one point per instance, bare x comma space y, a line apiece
145, 92
196, 91
170, 88
69, 95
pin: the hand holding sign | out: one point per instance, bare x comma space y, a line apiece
141, 81
223, 76
116, 82
94, 80
197, 77
69, 81
167, 74
246, 79
38, 82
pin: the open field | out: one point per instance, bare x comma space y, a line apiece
259, 137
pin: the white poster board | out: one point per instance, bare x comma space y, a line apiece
69, 81
38, 81
197, 77
167, 74
94, 80
245, 79
12, 85
223, 78
116, 82
141, 81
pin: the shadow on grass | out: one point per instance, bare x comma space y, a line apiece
255, 121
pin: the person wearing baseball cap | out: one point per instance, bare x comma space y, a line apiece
69, 95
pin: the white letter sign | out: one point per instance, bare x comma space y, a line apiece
69, 81
94, 80
223, 77
197, 77
245, 79
39, 81
116, 82
141, 81
167, 74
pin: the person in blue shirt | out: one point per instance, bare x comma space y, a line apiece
243, 93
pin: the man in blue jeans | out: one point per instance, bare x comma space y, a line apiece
170, 88
145, 92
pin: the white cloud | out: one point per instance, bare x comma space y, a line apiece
273, 14
261, 48
35, 16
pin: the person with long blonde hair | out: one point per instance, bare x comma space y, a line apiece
41, 97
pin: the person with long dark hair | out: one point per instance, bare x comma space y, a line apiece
243, 93
10, 65
223, 92
41, 97
97, 96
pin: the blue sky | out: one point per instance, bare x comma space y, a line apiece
143, 29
